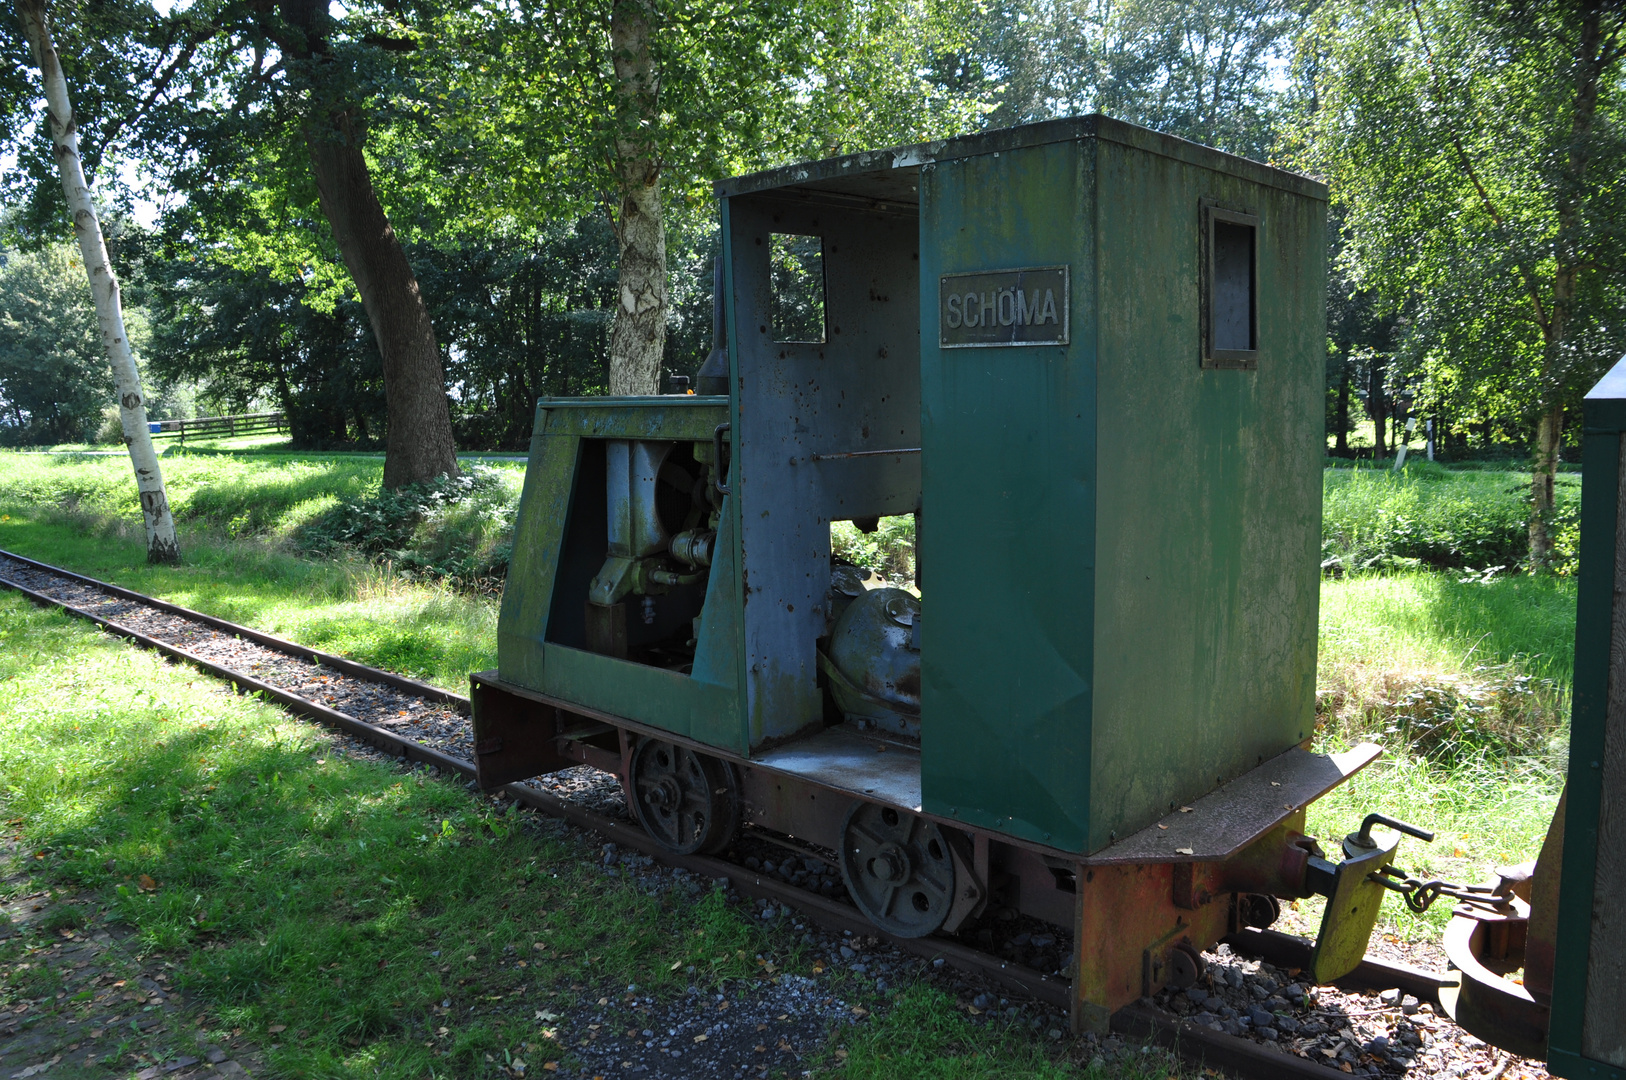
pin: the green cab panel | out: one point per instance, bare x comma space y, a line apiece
560, 492
1121, 532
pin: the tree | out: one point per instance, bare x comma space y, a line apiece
54, 375
418, 443
1474, 146
210, 88
104, 287
631, 105
1200, 70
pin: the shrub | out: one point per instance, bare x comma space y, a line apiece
457, 529
1430, 516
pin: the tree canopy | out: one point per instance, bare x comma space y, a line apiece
1475, 150
544, 167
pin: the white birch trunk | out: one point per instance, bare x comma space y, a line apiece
104, 287
638, 334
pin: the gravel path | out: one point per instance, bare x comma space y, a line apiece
774, 1023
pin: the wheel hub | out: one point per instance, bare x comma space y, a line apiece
685, 800
898, 869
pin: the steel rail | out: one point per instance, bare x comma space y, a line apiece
1186, 1038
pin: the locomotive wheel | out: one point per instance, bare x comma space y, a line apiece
686, 801
898, 869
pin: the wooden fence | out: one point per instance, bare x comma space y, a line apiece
215, 426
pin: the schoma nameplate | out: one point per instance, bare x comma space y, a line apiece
1003, 307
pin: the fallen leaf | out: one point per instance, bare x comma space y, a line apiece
1185, 809
1275, 783
144, 882
701, 1038
1163, 826
675, 965
1182, 851
277, 1028
552, 1066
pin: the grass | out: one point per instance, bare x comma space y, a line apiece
357, 921
1466, 684
925, 1036
1428, 515
238, 518
362, 909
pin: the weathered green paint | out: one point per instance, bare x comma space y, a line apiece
703, 706
663, 417
1008, 508
1596, 595
1208, 524
1121, 546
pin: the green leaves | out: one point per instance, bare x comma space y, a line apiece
1475, 153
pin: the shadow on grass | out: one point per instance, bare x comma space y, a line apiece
363, 909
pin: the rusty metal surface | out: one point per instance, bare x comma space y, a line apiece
1501, 1012
1203, 1046
1540, 948
1128, 922
1221, 823
845, 760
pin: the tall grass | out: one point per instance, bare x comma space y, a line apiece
1428, 515
1466, 684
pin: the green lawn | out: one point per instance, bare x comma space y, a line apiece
356, 921
359, 907
235, 516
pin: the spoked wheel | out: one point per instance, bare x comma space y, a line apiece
686, 801
898, 869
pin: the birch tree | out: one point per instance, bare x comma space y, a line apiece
638, 335
1476, 149
104, 288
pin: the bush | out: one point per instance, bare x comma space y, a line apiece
457, 529
1430, 516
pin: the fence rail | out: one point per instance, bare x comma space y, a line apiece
247, 424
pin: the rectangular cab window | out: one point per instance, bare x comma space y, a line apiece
796, 276
1230, 292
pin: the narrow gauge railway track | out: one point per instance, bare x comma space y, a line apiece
416, 722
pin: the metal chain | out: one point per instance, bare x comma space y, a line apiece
1420, 895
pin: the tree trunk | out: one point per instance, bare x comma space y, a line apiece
638, 335
418, 445
1341, 442
104, 287
1543, 477
1376, 406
